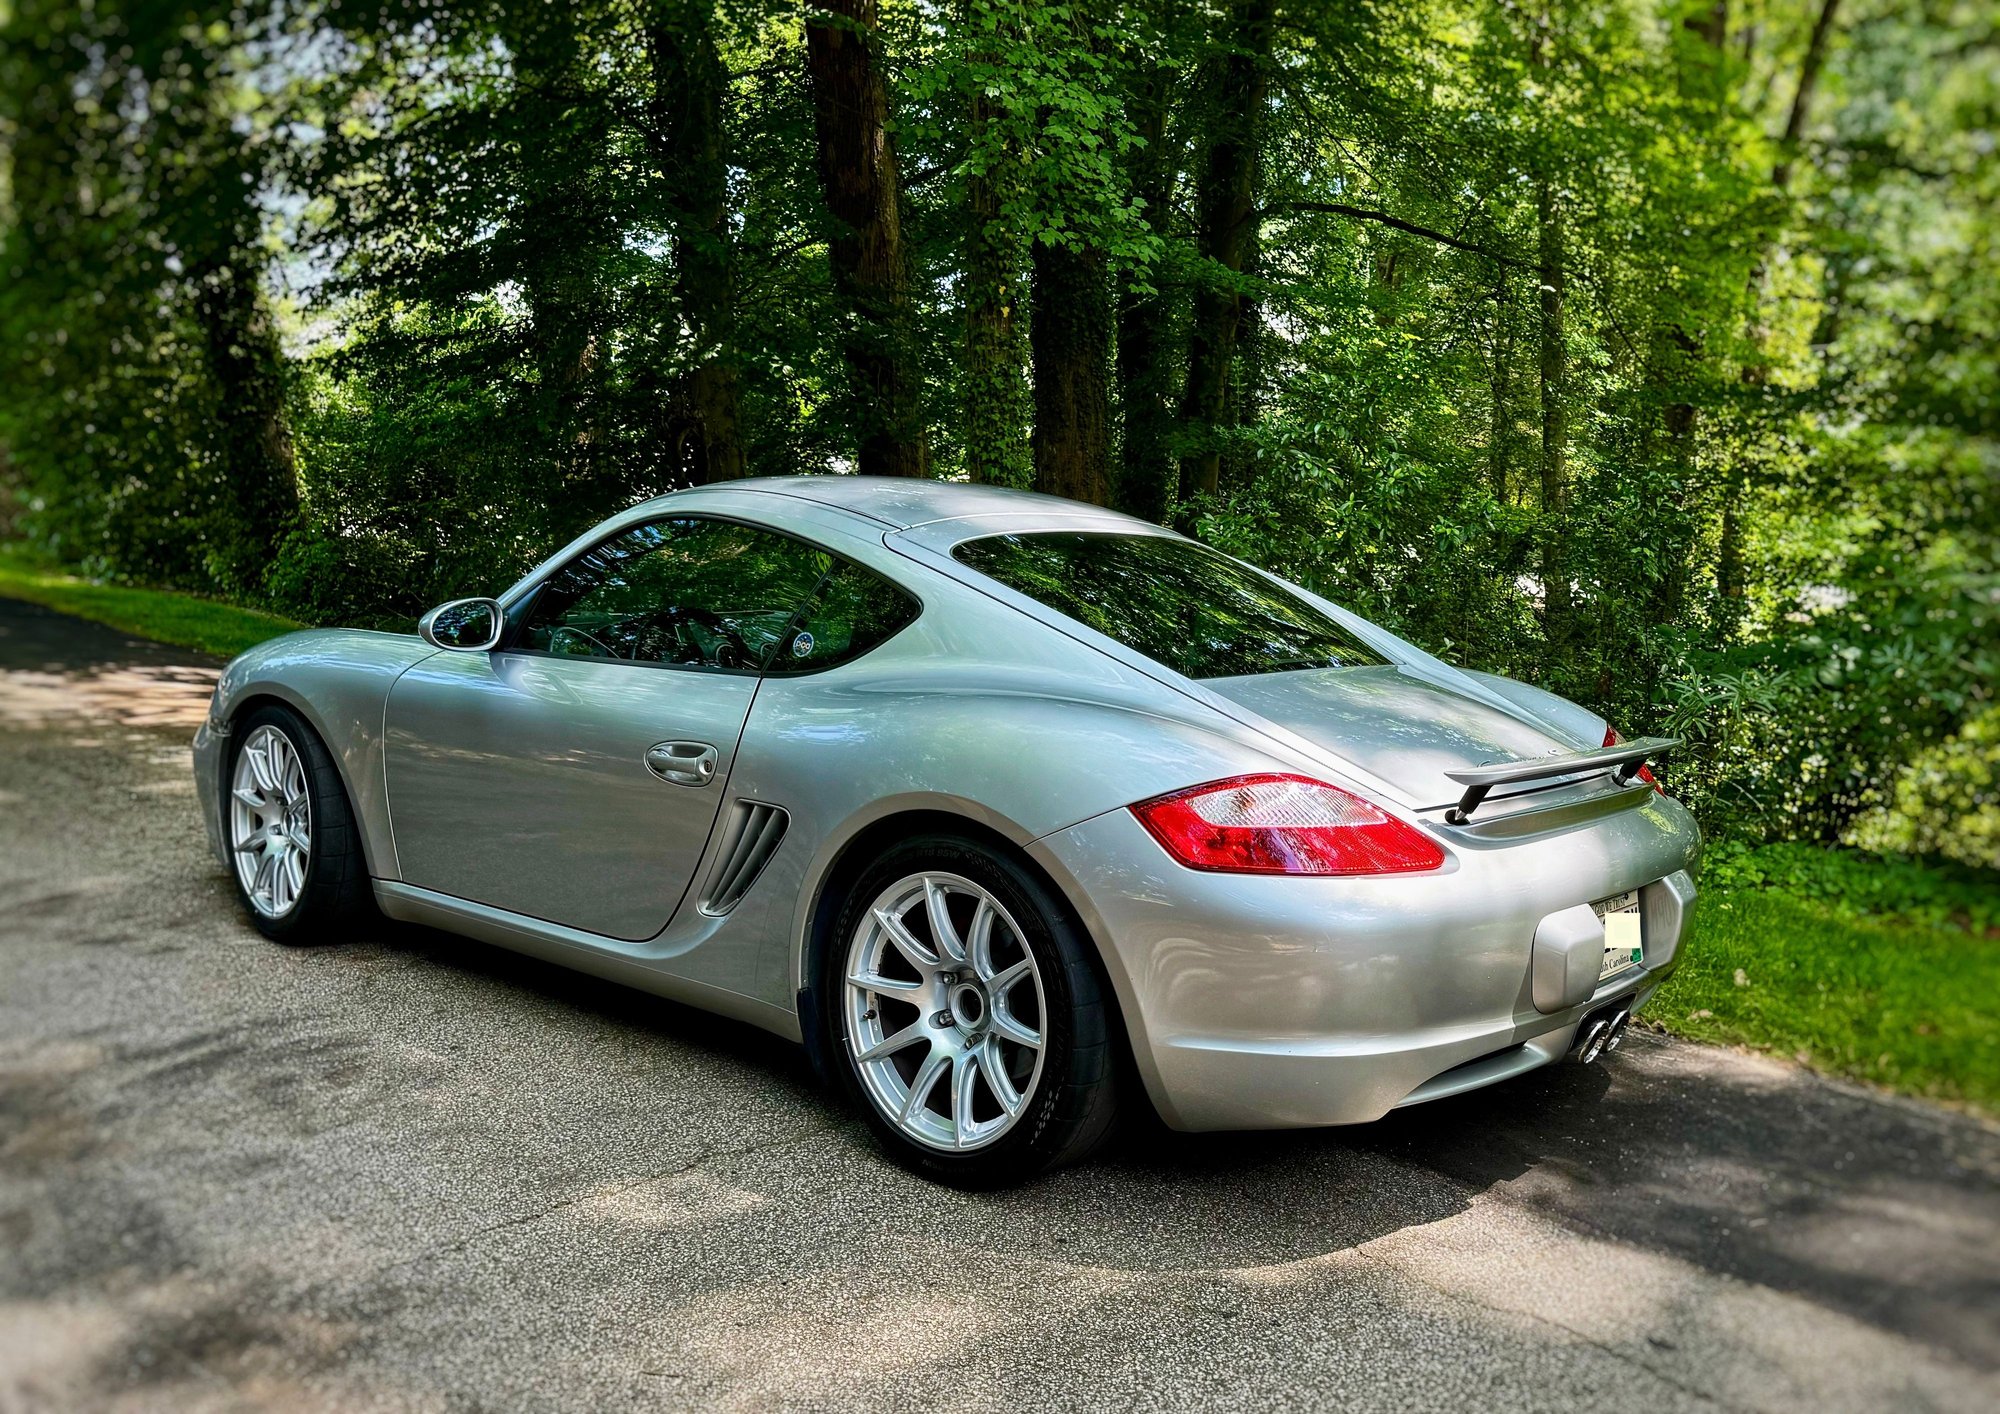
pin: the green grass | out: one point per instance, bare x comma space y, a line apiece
180, 619
1907, 999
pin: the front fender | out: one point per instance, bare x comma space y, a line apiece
339, 681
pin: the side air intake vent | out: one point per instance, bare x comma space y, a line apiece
748, 842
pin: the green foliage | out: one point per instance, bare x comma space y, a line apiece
1946, 800
1787, 963
1582, 343
1856, 884
184, 620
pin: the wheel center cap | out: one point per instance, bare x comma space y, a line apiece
968, 1006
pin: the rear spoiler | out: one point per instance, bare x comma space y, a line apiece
1625, 758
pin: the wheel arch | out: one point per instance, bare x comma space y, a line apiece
266, 694
827, 892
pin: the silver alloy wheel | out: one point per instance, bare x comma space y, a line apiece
945, 1012
270, 821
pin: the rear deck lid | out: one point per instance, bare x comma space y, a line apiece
1403, 729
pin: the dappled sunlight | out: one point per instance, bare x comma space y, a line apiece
141, 695
776, 1340
1736, 1341
679, 1200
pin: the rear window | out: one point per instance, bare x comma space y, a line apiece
1183, 605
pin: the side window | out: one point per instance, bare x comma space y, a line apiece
691, 592
854, 611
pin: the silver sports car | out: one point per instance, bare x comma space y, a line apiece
1012, 810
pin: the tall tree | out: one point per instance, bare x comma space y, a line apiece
1729, 573
687, 131
1553, 366
1224, 234
862, 189
1072, 349
997, 401
136, 260
1147, 469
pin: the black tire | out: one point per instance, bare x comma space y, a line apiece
336, 891
1074, 1104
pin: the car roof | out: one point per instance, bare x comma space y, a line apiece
902, 502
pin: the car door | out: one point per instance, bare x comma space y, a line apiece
574, 773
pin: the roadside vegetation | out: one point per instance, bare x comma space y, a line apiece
184, 620
1879, 969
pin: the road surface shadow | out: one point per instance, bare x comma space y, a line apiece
1882, 1209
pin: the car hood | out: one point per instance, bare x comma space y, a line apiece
1405, 729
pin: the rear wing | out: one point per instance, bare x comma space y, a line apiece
1625, 759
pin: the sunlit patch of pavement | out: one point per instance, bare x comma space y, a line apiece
411, 1172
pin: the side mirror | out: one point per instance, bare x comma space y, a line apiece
464, 625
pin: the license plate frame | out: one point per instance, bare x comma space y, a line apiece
1624, 933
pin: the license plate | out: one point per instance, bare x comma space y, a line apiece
1624, 945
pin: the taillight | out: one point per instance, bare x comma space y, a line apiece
1645, 773
1284, 825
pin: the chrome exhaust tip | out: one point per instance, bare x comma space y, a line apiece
1590, 1045
1600, 1035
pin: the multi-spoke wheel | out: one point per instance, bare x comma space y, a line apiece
944, 1011
291, 836
270, 822
968, 1014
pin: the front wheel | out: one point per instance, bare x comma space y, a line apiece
968, 1016
292, 838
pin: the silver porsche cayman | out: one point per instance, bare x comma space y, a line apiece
1013, 811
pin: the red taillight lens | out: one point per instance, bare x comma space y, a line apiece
1612, 738
1284, 825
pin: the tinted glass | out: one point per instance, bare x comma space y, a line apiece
705, 593
697, 593
853, 611
1181, 604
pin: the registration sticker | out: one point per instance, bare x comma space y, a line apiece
1624, 942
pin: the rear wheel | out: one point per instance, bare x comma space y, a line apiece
968, 1016
297, 854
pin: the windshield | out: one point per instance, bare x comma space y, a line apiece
1183, 605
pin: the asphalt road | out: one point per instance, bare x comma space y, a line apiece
413, 1172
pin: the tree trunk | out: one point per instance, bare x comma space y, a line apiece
562, 239
1147, 473
857, 168
686, 132
1730, 581
1072, 347
1556, 599
1500, 434
997, 404
1802, 97
1223, 240
1247, 379
256, 444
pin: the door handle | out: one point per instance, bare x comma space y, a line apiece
685, 763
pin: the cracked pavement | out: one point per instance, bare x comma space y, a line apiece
412, 1172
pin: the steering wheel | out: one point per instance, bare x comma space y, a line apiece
565, 638
670, 619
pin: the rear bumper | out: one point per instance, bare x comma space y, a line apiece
1256, 1002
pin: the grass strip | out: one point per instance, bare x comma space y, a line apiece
184, 620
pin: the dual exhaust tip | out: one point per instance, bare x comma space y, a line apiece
1600, 1035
